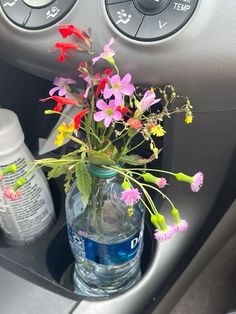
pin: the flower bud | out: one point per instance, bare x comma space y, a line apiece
20, 182
126, 185
110, 60
148, 177
159, 221
176, 216
10, 169
48, 111
130, 211
155, 152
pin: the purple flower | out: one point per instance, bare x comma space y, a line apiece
147, 101
130, 196
181, 226
61, 84
161, 235
197, 182
107, 53
108, 112
119, 87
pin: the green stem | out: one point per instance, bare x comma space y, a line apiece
110, 132
95, 135
76, 140
120, 137
136, 146
141, 186
160, 192
125, 147
116, 68
155, 170
156, 189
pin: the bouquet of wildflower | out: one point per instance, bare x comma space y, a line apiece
113, 120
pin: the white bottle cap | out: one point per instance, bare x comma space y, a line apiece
11, 134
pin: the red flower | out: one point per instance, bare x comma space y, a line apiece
103, 81
108, 72
67, 30
77, 118
122, 110
101, 86
60, 102
134, 123
64, 47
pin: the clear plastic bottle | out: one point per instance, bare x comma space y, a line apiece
23, 220
106, 242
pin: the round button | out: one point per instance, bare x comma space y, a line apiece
37, 3
151, 7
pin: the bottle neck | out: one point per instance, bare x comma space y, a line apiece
100, 172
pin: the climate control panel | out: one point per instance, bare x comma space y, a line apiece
149, 20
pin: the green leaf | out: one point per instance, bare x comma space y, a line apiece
84, 181
56, 171
68, 180
136, 160
110, 150
100, 158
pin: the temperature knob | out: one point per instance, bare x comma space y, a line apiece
37, 3
151, 7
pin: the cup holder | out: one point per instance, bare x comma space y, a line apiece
48, 261
60, 261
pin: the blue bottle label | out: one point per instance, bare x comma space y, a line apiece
105, 254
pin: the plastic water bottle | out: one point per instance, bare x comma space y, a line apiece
25, 219
105, 240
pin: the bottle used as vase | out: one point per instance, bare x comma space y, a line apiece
106, 240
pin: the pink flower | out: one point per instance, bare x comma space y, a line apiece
197, 182
108, 112
161, 235
90, 82
107, 53
119, 88
130, 196
181, 226
61, 84
11, 194
147, 101
161, 182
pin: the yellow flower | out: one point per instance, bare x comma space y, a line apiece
188, 119
63, 131
59, 140
158, 130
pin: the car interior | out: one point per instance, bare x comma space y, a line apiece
189, 44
